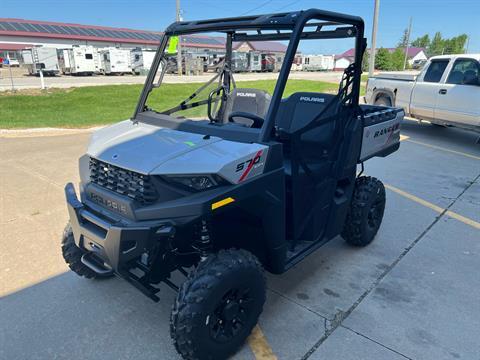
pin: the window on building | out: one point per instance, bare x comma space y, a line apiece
89, 56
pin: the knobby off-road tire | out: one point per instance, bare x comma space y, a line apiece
218, 306
366, 211
72, 255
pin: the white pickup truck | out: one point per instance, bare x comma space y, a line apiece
446, 92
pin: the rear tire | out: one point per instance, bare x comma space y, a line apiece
366, 211
73, 255
218, 306
383, 101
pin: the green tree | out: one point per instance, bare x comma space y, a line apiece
437, 46
365, 59
403, 40
382, 59
423, 41
455, 45
397, 58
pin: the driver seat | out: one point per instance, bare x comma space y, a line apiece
252, 101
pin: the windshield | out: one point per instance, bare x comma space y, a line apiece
239, 76
210, 85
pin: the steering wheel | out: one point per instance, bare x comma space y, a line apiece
216, 92
257, 120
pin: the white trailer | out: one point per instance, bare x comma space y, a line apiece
41, 58
141, 59
79, 60
318, 62
115, 61
297, 64
254, 61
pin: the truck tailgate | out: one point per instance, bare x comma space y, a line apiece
381, 131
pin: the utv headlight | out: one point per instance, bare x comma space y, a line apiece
196, 182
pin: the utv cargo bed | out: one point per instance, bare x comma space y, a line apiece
381, 131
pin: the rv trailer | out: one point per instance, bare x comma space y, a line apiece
42, 59
79, 60
318, 62
297, 63
141, 60
115, 61
254, 61
239, 61
268, 62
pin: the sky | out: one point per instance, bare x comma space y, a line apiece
450, 17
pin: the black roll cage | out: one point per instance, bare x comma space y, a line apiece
283, 26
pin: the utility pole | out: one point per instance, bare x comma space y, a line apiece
179, 45
408, 44
373, 43
468, 44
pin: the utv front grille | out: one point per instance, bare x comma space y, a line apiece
136, 186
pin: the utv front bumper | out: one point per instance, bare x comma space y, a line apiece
109, 244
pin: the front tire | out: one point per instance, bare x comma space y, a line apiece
366, 211
73, 255
218, 306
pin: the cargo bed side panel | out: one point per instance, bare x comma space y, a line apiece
381, 133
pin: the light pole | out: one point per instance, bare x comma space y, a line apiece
407, 44
373, 44
179, 45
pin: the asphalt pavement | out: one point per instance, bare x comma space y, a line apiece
412, 294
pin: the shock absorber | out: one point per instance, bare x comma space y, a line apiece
203, 243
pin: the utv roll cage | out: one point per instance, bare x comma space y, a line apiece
292, 26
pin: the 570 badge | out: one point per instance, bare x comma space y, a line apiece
247, 165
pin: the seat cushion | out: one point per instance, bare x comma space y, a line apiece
253, 101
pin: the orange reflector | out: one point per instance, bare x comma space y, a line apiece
223, 202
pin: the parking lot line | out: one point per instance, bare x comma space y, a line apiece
259, 345
434, 207
444, 149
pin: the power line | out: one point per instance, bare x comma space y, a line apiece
286, 6
257, 7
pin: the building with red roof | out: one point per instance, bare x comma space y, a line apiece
17, 34
346, 58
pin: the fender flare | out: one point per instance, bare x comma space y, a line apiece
378, 92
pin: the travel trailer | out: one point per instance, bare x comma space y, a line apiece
318, 62
268, 62
79, 60
42, 59
239, 61
254, 61
115, 61
141, 60
297, 63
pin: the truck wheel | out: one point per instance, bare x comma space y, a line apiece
218, 306
383, 101
366, 211
72, 255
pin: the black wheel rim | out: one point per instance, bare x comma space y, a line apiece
375, 214
230, 315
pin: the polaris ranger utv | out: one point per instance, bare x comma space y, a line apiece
262, 181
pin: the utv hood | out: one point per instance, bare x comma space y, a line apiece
141, 147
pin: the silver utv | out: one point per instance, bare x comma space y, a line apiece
230, 181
